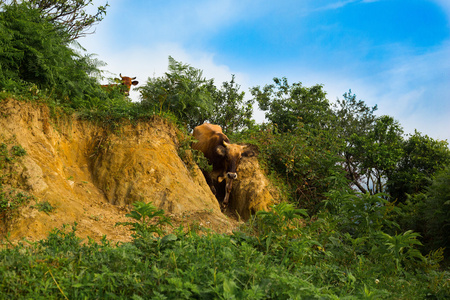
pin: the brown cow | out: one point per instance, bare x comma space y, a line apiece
223, 155
125, 81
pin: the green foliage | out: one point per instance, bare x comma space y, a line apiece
183, 91
10, 198
144, 214
306, 160
437, 211
278, 255
71, 15
10, 154
375, 154
422, 158
353, 118
36, 53
194, 99
44, 206
281, 219
10, 201
400, 247
362, 214
427, 212
190, 156
231, 111
288, 105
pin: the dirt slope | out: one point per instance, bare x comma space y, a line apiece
92, 175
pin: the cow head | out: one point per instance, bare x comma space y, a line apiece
128, 82
232, 154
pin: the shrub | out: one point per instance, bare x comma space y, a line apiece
437, 211
36, 58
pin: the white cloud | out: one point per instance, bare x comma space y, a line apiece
399, 88
145, 62
445, 4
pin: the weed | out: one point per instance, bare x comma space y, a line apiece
144, 214
282, 261
44, 206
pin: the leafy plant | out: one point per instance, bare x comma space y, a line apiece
315, 262
294, 158
375, 154
281, 218
288, 105
362, 214
231, 111
183, 91
11, 198
36, 57
422, 158
400, 247
44, 206
437, 211
144, 214
71, 15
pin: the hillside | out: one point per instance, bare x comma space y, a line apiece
91, 175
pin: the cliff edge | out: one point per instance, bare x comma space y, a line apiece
90, 174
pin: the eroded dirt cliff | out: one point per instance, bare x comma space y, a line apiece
91, 175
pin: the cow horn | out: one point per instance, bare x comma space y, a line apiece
120, 74
226, 144
133, 78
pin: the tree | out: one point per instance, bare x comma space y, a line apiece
33, 51
437, 210
353, 118
374, 154
231, 111
71, 15
183, 91
287, 105
422, 158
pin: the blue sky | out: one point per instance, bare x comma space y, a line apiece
393, 53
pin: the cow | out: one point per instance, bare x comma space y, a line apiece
221, 154
125, 82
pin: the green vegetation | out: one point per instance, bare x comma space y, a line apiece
11, 199
365, 210
44, 206
281, 254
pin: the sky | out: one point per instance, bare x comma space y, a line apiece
391, 53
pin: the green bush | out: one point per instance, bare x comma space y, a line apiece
37, 60
305, 160
437, 211
11, 198
422, 158
278, 255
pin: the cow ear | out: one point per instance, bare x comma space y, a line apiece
135, 82
220, 150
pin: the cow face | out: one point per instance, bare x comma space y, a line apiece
124, 83
232, 154
128, 82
